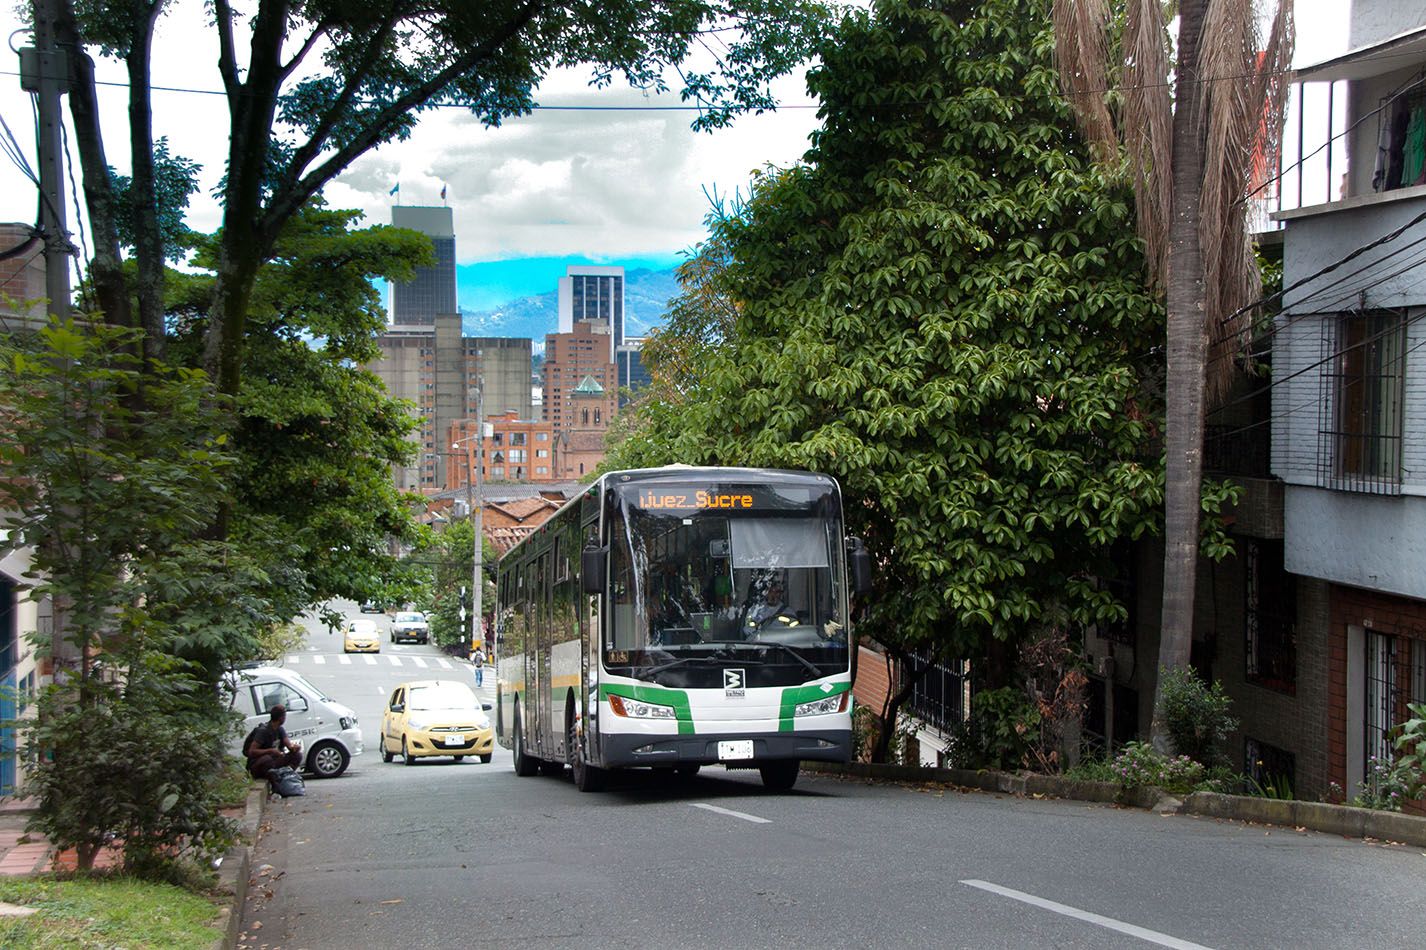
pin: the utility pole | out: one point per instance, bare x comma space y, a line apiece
44, 71
474, 501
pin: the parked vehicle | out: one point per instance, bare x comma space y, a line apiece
410, 625
372, 607
327, 729
361, 636
435, 717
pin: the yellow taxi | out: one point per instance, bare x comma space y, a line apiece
435, 717
360, 636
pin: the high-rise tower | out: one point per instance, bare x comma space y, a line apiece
416, 303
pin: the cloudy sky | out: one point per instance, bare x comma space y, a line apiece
605, 186
622, 187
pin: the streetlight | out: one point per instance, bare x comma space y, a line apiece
473, 502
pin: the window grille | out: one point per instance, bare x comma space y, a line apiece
941, 697
1396, 676
1270, 617
1359, 446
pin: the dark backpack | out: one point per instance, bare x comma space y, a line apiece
286, 781
248, 742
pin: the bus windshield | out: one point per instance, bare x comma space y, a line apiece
751, 575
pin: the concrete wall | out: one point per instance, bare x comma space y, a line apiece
1377, 20
1371, 541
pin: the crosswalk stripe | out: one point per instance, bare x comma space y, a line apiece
370, 660
443, 664
344, 659
419, 662
319, 659
395, 660
293, 657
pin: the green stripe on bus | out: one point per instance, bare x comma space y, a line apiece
676, 698
797, 695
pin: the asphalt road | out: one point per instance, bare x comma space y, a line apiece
446, 854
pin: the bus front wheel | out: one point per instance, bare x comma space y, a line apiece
587, 778
779, 776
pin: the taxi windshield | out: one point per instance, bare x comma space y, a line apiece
440, 696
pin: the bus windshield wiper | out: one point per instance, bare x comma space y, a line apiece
792, 652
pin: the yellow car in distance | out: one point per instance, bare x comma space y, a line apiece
435, 717
360, 636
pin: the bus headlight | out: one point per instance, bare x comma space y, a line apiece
638, 709
820, 707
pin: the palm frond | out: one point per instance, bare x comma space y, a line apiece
1147, 122
1082, 60
1241, 125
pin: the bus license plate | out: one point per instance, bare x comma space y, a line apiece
740, 749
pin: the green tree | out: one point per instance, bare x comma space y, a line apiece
943, 307
445, 561
317, 434
109, 492
1188, 129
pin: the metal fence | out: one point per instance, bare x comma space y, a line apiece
941, 698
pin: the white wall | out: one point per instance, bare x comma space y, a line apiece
1377, 20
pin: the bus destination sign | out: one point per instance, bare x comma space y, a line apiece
697, 500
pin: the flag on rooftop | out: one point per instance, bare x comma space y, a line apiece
395, 189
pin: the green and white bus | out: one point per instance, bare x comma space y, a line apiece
678, 617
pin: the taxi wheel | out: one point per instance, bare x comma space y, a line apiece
487, 757
458, 758
385, 755
405, 753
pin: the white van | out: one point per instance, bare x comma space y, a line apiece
327, 729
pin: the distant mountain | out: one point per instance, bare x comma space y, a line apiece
646, 297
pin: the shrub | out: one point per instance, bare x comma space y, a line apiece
1410, 745
1195, 715
999, 733
1138, 765
138, 763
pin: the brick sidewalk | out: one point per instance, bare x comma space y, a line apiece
18, 858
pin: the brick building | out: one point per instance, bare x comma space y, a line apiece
513, 450
580, 396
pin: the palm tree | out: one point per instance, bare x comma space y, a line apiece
1187, 129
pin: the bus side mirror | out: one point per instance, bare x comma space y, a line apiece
859, 565
594, 569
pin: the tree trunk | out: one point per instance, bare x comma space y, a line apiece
148, 242
895, 701
1187, 346
106, 273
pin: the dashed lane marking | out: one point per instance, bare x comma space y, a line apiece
1108, 923
733, 814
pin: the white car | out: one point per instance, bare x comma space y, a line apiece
327, 729
410, 625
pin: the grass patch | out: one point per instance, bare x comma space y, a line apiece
105, 912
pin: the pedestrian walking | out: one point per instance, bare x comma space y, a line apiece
479, 661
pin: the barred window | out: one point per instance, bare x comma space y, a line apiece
1360, 447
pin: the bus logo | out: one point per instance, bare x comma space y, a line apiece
733, 681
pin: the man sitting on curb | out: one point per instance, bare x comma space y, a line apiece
268, 747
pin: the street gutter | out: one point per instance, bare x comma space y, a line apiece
1345, 820
237, 864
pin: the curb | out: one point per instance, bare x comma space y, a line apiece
237, 863
1344, 820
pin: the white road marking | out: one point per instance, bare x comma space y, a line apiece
370, 660
733, 814
344, 659
419, 662
319, 659
293, 657
442, 664
395, 660
1109, 923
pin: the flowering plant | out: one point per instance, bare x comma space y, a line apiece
1138, 764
